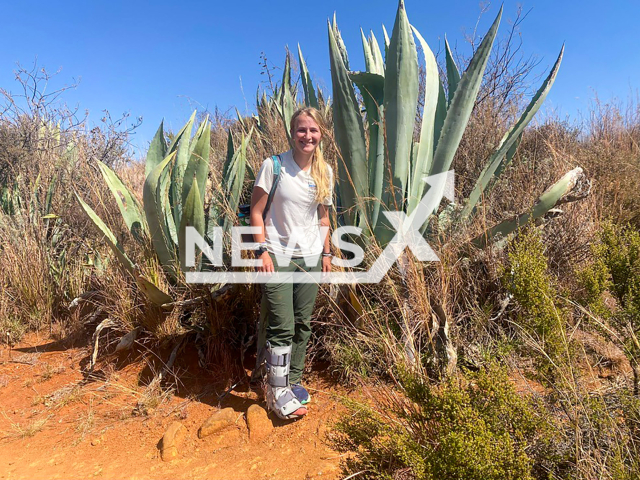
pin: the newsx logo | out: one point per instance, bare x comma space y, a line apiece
407, 236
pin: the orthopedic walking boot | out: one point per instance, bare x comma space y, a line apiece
280, 398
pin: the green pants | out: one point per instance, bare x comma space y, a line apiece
286, 314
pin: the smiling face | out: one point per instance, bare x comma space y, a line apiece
306, 136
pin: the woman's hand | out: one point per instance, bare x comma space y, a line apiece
267, 263
326, 264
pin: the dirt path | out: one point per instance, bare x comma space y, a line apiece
57, 423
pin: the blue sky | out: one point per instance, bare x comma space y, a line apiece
163, 59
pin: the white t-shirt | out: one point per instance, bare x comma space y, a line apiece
292, 220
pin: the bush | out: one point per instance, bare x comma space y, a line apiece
472, 427
526, 278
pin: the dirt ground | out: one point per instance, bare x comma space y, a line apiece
58, 421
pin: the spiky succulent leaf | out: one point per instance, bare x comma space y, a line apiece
127, 203
386, 41
153, 293
424, 154
441, 114
510, 138
157, 151
546, 202
286, 102
400, 102
371, 88
181, 145
108, 235
453, 74
192, 216
236, 182
377, 55
340, 43
369, 61
198, 166
349, 135
310, 99
152, 197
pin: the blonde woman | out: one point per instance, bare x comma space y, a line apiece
291, 227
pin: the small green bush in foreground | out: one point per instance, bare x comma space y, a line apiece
472, 427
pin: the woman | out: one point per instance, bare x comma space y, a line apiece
292, 228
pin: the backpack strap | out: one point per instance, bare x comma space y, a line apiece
277, 168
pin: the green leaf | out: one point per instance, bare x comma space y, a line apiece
350, 139
400, 103
424, 154
157, 151
369, 61
340, 43
386, 41
509, 139
108, 235
127, 203
377, 55
371, 88
192, 216
546, 202
182, 146
198, 166
310, 99
453, 75
153, 209
153, 293
286, 102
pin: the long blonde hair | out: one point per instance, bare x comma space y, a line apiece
319, 168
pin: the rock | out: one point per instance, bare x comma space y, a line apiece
258, 422
172, 440
217, 422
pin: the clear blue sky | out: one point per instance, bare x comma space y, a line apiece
163, 59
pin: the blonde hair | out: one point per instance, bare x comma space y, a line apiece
319, 168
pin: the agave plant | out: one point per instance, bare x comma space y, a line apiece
387, 172
173, 198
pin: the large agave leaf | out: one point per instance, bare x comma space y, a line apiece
157, 151
192, 216
386, 41
461, 106
286, 103
546, 202
510, 138
371, 88
441, 114
198, 166
453, 75
424, 154
153, 293
340, 43
369, 61
310, 99
127, 203
182, 147
400, 102
155, 214
234, 192
377, 55
349, 135
108, 235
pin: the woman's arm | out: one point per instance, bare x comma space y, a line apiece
258, 204
323, 213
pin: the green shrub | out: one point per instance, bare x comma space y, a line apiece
526, 278
472, 427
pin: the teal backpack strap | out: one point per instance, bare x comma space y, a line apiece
277, 168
